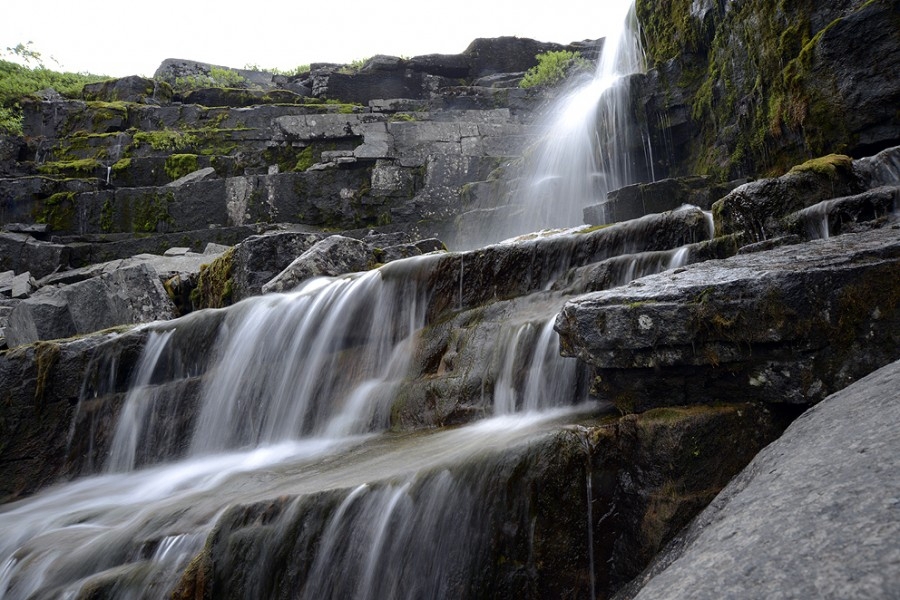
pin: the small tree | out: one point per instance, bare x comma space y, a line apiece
552, 68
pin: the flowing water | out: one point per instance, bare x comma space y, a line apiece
288, 397
586, 146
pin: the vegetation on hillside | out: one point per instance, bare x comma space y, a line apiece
18, 81
552, 68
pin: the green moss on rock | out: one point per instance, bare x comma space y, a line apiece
179, 165
214, 284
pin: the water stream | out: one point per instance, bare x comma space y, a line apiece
287, 397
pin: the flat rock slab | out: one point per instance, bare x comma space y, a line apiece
792, 324
815, 515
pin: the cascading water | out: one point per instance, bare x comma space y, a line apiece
584, 150
291, 397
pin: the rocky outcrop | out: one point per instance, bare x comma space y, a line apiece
732, 100
123, 297
813, 515
792, 324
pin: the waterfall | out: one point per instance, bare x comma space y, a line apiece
284, 401
584, 149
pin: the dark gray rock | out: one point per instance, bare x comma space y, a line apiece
756, 208
173, 68
844, 215
488, 56
128, 89
793, 324
20, 252
883, 169
335, 255
454, 66
813, 515
260, 258
641, 199
122, 297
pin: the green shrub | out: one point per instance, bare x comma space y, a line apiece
18, 82
218, 77
552, 68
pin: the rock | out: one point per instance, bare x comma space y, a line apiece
21, 252
844, 215
241, 272
125, 296
756, 208
788, 325
454, 66
22, 285
60, 404
173, 68
813, 515
488, 56
33, 229
213, 248
198, 175
880, 170
641, 199
128, 89
335, 255
820, 94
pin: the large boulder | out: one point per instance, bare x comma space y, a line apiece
788, 325
813, 515
335, 255
122, 297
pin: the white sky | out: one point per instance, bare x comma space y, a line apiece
133, 38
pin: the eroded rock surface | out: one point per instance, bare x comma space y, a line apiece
814, 515
792, 324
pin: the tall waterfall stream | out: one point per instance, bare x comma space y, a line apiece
295, 400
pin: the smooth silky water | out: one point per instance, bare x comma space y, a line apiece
295, 399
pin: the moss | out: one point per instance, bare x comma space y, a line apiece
165, 140
830, 165
151, 211
106, 215
57, 211
552, 68
121, 165
593, 228
179, 165
85, 167
214, 283
775, 116
305, 159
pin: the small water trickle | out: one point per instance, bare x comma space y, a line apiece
138, 409
815, 220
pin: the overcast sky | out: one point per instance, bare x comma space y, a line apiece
133, 38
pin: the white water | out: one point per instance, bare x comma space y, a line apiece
297, 388
582, 153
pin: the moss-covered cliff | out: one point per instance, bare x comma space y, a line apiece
770, 83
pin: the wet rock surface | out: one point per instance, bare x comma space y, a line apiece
813, 515
792, 324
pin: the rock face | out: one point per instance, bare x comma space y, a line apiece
123, 297
708, 330
775, 325
813, 515
734, 100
